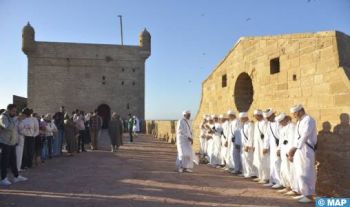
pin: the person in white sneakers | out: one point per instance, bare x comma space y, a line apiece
184, 141
302, 154
8, 141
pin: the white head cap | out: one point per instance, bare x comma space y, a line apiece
229, 112
186, 112
243, 115
209, 118
267, 113
280, 117
296, 108
221, 116
258, 112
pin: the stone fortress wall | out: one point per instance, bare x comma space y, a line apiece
279, 71
85, 76
282, 70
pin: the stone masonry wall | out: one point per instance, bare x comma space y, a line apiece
162, 129
313, 71
84, 76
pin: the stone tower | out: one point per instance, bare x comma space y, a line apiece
28, 39
110, 78
145, 41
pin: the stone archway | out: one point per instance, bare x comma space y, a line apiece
104, 111
243, 92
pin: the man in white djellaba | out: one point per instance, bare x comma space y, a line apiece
184, 141
215, 160
260, 161
247, 136
286, 133
224, 138
229, 130
203, 137
271, 145
302, 154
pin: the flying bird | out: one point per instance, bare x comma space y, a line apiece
248, 19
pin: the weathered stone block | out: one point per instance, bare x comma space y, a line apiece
338, 87
343, 100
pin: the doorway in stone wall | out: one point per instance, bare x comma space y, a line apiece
104, 111
243, 92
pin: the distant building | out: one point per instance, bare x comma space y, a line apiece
20, 102
86, 76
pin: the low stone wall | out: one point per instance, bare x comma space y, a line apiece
162, 129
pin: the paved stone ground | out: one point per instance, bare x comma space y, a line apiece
140, 174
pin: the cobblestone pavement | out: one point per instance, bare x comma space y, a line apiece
139, 174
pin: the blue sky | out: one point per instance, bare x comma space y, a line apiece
188, 37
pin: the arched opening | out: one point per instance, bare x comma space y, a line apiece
243, 93
104, 111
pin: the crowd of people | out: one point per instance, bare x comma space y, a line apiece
28, 139
273, 151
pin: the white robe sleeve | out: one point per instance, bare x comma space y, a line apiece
281, 131
250, 134
305, 130
291, 135
266, 142
180, 128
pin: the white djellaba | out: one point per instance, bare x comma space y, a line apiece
247, 135
261, 161
216, 145
304, 157
286, 140
210, 140
185, 157
272, 143
229, 131
202, 137
224, 141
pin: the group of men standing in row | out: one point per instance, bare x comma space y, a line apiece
273, 151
